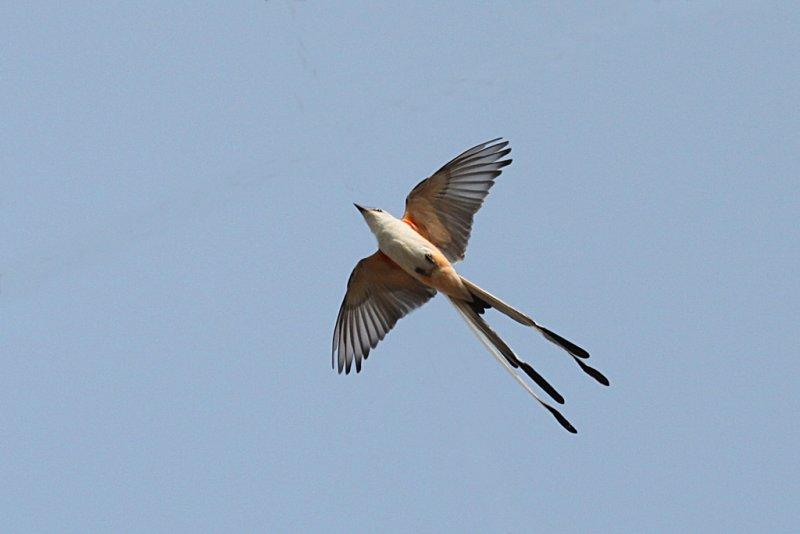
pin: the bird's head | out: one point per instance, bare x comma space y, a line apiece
375, 217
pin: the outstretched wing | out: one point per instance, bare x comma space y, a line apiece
378, 294
442, 206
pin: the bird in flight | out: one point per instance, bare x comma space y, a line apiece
415, 260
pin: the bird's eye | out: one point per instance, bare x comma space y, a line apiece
379, 210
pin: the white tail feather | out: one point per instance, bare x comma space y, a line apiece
472, 318
499, 305
574, 350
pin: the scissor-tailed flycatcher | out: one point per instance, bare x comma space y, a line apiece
414, 261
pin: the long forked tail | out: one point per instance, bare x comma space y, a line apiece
482, 299
508, 359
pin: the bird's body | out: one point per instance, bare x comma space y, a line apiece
414, 261
405, 246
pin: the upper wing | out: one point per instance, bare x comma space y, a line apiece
442, 206
379, 293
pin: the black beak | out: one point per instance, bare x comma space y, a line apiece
362, 210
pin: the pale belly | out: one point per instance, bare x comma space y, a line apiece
421, 259
411, 252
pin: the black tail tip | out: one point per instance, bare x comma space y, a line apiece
601, 378
541, 382
561, 419
565, 344
591, 371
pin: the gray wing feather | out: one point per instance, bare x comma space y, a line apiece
443, 206
378, 295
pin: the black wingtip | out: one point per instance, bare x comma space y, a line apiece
499, 142
591, 371
565, 344
541, 382
503, 153
561, 419
504, 163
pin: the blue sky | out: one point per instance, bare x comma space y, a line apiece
178, 229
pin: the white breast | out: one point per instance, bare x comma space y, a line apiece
402, 244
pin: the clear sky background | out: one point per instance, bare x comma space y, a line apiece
178, 229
